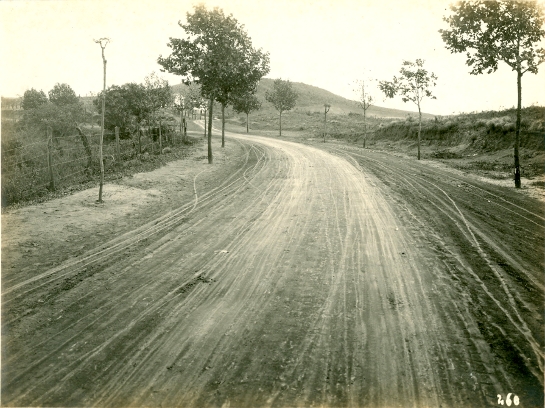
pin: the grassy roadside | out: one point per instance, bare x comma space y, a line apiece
477, 143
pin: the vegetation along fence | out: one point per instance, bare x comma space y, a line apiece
34, 163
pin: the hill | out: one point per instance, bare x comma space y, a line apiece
312, 99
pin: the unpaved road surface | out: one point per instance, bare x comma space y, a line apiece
299, 276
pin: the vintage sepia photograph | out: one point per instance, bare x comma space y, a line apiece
272, 203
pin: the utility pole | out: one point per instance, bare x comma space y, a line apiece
326, 109
103, 42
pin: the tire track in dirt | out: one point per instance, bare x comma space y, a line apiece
523, 312
295, 283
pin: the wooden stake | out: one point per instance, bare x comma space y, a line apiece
50, 159
103, 42
117, 150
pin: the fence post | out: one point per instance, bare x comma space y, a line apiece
49, 158
117, 151
160, 139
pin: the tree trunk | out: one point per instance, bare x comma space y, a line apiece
517, 130
205, 123
364, 127
150, 137
247, 128
101, 184
160, 139
419, 129
222, 125
210, 159
50, 159
280, 123
181, 119
325, 123
86, 146
117, 149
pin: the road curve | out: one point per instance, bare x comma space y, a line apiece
298, 282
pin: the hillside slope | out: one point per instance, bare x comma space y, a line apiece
312, 99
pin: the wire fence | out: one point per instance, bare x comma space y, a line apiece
35, 163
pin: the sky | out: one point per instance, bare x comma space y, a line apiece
326, 43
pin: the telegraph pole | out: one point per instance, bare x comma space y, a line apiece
326, 109
103, 42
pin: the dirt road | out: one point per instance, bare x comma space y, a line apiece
305, 277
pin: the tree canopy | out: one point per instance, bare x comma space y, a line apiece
62, 95
216, 53
283, 97
126, 107
493, 31
61, 119
32, 99
246, 104
158, 94
413, 85
62, 112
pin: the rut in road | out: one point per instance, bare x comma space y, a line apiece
293, 284
493, 247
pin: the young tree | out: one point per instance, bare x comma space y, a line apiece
500, 30
246, 104
217, 54
32, 99
365, 101
62, 95
413, 85
283, 97
251, 66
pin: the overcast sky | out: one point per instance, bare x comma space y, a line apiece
324, 43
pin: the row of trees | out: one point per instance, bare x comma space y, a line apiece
218, 55
61, 109
488, 32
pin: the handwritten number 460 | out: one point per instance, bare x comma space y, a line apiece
508, 401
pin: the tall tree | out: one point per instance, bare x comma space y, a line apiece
501, 30
32, 99
283, 97
413, 85
246, 104
365, 101
217, 54
62, 95
249, 67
